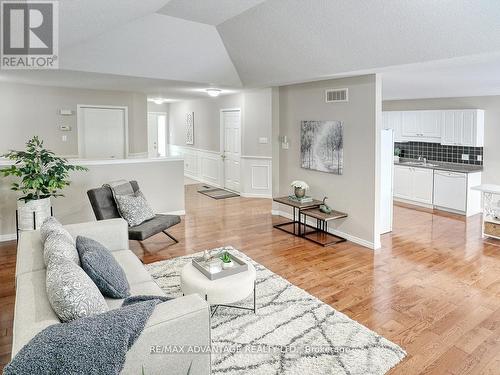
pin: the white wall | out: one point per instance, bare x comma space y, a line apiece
491, 106
356, 192
28, 110
162, 183
202, 160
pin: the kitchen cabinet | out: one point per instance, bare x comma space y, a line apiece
393, 120
453, 192
463, 128
422, 126
413, 184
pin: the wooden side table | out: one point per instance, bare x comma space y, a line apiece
297, 209
321, 235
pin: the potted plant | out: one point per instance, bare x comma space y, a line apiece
42, 175
300, 188
227, 262
397, 154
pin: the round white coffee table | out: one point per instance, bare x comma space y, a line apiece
220, 292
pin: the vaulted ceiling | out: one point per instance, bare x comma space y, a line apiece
256, 43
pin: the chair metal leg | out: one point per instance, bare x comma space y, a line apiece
170, 236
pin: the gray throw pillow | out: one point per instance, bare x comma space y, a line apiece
58, 245
51, 225
98, 262
71, 292
134, 208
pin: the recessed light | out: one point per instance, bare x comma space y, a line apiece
213, 92
158, 100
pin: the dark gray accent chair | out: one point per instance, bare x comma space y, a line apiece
104, 207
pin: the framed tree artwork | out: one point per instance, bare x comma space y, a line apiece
190, 128
322, 146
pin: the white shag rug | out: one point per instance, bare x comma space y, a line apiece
291, 333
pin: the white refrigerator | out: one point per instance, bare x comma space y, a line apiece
386, 179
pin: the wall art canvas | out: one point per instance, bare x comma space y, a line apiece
322, 146
190, 128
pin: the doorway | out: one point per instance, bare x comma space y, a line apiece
231, 148
102, 132
157, 134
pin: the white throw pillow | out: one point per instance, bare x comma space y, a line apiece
58, 245
134, 208
51, 225
71, 292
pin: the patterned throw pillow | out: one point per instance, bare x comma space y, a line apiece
102, 267
51, 225
134, 208
58, 245
71, 292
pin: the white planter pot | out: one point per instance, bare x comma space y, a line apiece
396, 159
227, 265
41, 208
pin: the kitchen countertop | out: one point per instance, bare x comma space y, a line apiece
442, 166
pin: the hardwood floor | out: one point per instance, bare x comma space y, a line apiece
434, 287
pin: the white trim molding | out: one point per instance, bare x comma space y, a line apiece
8, 237
207, 167
349, 237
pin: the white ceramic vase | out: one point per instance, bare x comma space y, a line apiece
41, 208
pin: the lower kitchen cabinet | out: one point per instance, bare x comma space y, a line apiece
450, 191
414, 184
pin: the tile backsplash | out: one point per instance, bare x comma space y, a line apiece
438, 152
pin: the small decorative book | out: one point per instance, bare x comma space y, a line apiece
305, 199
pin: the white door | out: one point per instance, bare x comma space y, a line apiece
468, 128
157, 134
231, 149
448, 129
102, 132
422, 183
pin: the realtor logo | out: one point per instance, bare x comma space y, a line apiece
29, 34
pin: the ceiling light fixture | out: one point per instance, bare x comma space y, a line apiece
158, 100
213, 92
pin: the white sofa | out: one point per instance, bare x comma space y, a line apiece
182, 321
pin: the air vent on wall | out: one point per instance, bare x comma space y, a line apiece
337, 95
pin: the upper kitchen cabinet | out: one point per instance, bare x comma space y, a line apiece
393, 120
421, 126
463, 128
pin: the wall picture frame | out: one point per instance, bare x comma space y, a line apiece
190, 128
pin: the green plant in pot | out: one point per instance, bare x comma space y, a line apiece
397, 154
227, 261
42, 175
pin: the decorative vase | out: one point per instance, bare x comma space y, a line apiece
396, 159
33, 213
227, 265
300, 192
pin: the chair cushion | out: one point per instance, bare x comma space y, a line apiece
103, 203
98, 262
134, 208
71, 292
153, 226
148, 288
134, 269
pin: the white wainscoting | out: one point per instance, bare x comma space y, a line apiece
207, 167
201, 165
256, 172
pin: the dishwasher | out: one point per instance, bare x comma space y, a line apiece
450, 190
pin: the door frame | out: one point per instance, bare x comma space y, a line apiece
222, 143
79, 124
167, 130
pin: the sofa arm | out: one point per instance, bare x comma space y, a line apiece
180, 323
112, 233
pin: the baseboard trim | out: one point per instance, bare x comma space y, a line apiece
201, 180
180, 213
349, 237
254, 195
7, 237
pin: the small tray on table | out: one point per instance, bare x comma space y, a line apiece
202, 265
